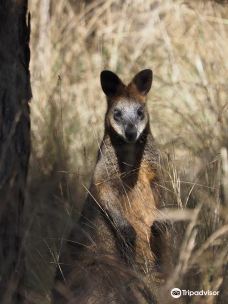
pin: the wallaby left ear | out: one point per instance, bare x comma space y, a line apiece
143, 81
111, 84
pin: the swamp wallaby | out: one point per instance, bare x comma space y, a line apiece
119, 218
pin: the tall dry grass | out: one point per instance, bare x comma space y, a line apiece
185, 43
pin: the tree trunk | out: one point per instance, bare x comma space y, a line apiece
15, 93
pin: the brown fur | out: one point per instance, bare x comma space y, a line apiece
131, 193
129, 188
123, 199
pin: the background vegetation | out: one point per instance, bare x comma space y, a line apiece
185, 43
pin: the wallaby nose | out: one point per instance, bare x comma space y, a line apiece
131, 132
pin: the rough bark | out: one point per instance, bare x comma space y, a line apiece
15, 93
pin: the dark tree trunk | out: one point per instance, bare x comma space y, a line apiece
15, 93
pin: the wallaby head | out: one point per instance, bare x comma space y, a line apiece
127, 115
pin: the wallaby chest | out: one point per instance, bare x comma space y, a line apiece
131, 179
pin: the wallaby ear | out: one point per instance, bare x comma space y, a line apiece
110, 83
143, 81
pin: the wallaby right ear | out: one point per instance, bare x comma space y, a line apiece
110, 83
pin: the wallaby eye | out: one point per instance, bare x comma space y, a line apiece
140, 113
117, 114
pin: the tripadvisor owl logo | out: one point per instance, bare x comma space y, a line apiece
176, 293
